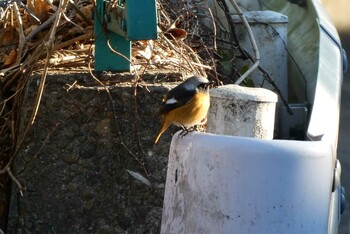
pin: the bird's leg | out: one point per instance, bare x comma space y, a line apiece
184, 131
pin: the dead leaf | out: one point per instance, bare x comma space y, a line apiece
143, 49
8, 35
140, 177
177, 33
40, 9
11, 58
87, 11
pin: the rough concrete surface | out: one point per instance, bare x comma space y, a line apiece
81, 162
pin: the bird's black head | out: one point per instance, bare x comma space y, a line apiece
204, 86
197, 83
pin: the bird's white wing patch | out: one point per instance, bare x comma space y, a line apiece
171, 101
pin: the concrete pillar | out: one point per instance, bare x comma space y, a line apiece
242, 111
270, 32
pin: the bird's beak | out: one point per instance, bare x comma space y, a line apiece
210, 84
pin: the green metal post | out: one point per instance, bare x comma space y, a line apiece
141, 19
105, 58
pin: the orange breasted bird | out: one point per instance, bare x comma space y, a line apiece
186, 105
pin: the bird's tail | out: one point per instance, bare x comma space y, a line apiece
165, 125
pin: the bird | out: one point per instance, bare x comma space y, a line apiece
186, 105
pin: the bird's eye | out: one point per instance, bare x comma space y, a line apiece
202, 85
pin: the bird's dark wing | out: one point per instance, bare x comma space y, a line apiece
175, 99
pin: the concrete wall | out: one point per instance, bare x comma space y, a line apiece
73, 163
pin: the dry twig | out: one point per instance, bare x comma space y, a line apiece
49, 48
252, 41
21, 33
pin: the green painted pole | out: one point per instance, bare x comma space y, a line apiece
105, 58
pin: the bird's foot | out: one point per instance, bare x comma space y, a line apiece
185, 130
